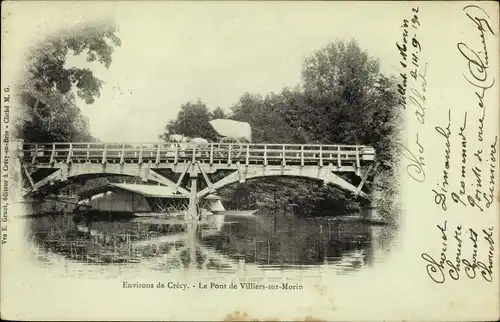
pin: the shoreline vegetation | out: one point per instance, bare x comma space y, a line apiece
342, 98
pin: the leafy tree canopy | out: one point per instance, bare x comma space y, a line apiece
47, 89
344, 99
218, 113
351, 101
193, 121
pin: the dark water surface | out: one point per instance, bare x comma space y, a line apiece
224, 243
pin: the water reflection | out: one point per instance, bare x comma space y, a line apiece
222, 243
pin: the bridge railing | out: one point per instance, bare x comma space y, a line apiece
164, 152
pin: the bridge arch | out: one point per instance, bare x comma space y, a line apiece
251, 172
69, 171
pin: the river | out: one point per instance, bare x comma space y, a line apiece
223, 244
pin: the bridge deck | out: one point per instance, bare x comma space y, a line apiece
262, 154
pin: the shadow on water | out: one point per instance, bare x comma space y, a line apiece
223, 242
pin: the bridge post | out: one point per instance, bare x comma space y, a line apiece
192, 213
191, 243
369, 208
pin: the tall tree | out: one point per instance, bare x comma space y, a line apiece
49, 88
264, 114
218, 113
192, 121
353, 102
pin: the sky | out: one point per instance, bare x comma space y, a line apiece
214, 52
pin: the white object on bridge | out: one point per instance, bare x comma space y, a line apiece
185, 143
194, 142
176, 138
199, 141
233, 129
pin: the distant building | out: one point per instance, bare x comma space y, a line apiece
140, 198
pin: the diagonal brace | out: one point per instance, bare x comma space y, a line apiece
44, 181
179, 181
34, 188
233, 176
169, 183
364, 178
207, 179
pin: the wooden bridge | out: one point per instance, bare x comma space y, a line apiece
247, 161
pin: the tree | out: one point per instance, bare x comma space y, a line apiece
47, 89
218, 113
353, 102
265, 116
192, 121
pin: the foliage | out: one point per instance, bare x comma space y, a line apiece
343, 99
352, 101
265, 117
47, 89
218, 113
192, 121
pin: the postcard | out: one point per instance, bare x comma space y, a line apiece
250, 161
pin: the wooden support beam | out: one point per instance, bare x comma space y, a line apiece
320, 156
176, 157
51, 177
157, 161
339, 162
122, 156
193, 213
211, 153
30, 179
363, 179
140, 154
145, 172
193, 160
247, 158
104, 154
53, 154
207, 179
155, 176
358, 165
64, 172
33, 159
221, 183
70, 152
283, 161
241, 175
179, 181
301, 155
